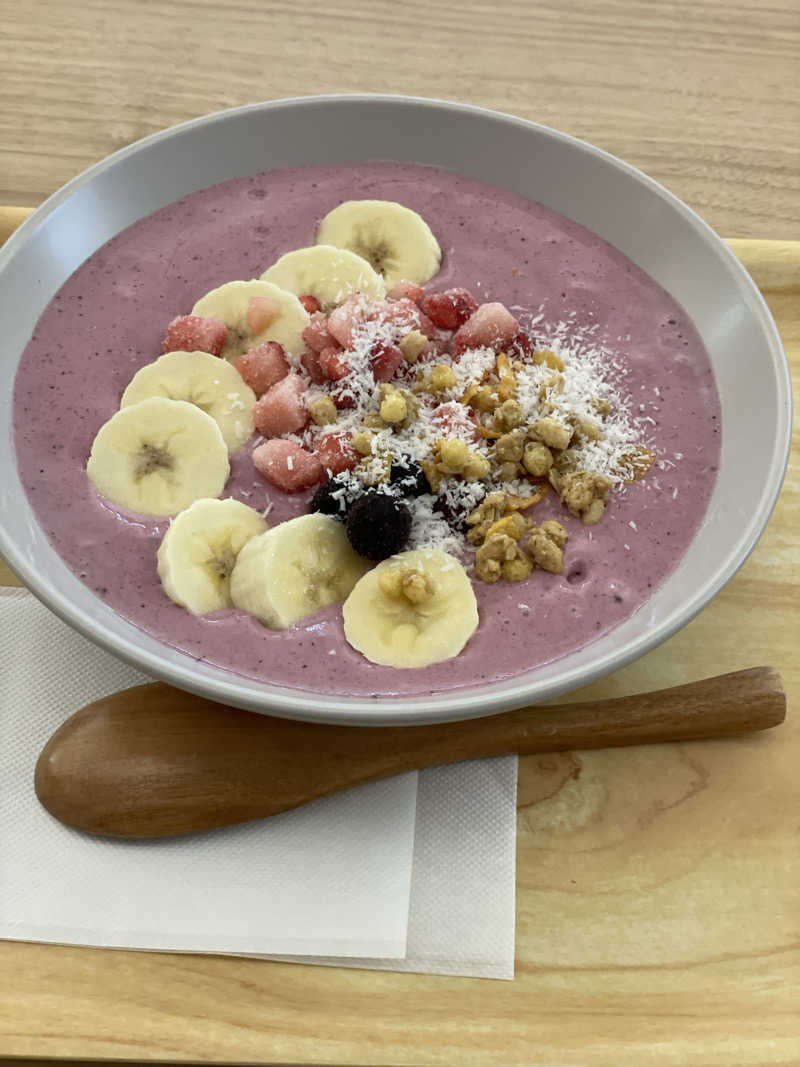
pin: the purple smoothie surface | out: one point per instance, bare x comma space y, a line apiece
108, 320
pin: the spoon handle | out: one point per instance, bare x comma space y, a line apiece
153, 761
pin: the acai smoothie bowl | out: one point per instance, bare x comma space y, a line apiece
373, 409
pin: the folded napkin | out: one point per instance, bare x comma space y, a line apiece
415, 873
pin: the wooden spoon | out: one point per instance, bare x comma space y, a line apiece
154, 761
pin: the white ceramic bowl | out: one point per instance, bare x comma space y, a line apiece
619, 203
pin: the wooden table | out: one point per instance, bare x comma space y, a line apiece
659, 888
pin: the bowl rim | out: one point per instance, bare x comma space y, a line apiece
453, 704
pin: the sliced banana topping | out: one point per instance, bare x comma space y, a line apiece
254, 312
197, 554
414, 609
210, 383
396, 241
295, 569
328, 273
158, 456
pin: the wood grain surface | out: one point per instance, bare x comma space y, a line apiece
658, 911
702, 94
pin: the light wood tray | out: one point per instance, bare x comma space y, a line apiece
658, 915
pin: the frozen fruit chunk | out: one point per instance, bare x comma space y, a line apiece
449, 309
456, 420
316, 334
405, 289
491, 326
262, 312
310, 360
342, 396
287, 465
195, 333
385, 359
282, 409
343, 321
335, 452
332, 363
263, 366
404, 314
310, 303
521, 344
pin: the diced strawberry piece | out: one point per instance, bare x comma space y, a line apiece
405, 314
282, 409
335, 452
342, 321
332, 363
287, 465
432, 352
262, 312
449, 309
407, 290
426, 326
310, 303
195, 333
385, 359
491, 326
263, 366
342, 397
310, 360
456, 420
521, 344
316, 334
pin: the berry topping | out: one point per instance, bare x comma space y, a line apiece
491, 326
456, 420
310, 361
455, 517
262, 312
335, 452
287, 465
195, 333
343, 320
521, 345
343, 397
378, 525
385, 358
409, 477
406, 290
282, 409
310, 303
332, 363
263, 366
449, 309
334, 497
316, 334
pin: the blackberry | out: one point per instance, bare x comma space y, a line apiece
409, 477
334, 497
378, 525
455, 517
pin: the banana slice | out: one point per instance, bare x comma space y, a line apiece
254, 312
199, 550
330, 274
414, 609
210, 383
394, 240
158, 456
295, 569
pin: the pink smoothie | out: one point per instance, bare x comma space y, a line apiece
108, 320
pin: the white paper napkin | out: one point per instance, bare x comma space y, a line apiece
328, 883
